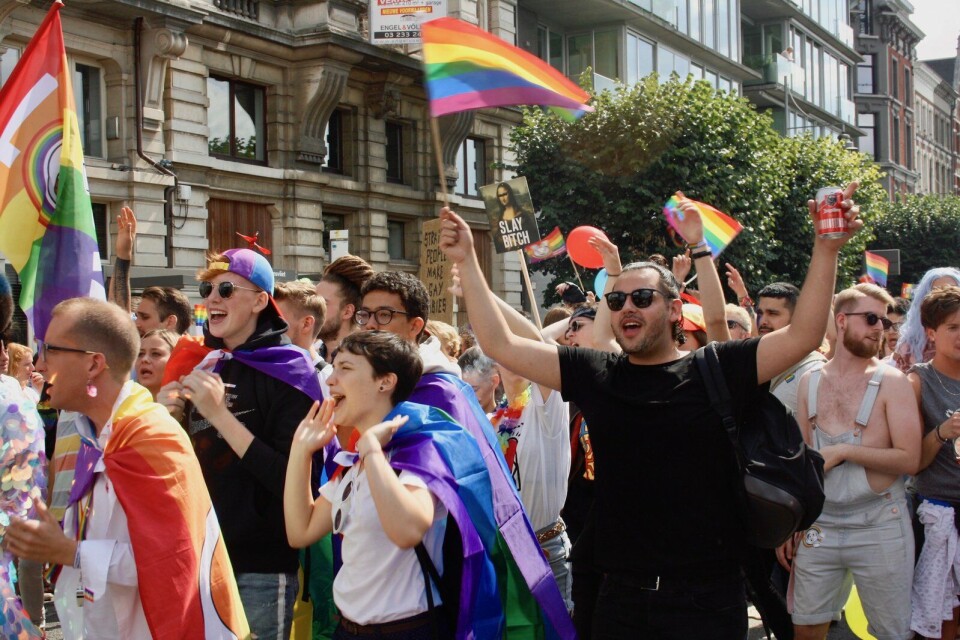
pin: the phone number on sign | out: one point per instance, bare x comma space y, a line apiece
387, 35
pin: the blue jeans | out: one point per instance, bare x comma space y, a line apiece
268, 602
706, 609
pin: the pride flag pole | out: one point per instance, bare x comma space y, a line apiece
438, 152
577, 273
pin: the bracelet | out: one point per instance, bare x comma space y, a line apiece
706, 253
613, 275
746, 301
940, 437
699, 245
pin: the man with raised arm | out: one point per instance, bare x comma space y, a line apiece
668, 537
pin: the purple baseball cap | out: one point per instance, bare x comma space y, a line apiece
252, 266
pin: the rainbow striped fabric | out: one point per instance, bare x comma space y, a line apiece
468, 68
719, 229
46, 220
550, 246
877, 267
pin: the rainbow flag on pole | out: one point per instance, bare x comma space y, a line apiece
468, 68
719, 229
877, 268
46, 220
550, 246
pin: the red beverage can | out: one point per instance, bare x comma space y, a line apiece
829, 220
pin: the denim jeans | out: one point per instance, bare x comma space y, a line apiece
705, 609
268, 602
558, 550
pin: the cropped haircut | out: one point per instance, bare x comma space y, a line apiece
105, 328
474, 360
387, 353
18, 355
849, 296
738, 313
942, 303
413, 295
170, 302
167, 336
782, 291
900, 305
348, 273
304, 296
667, 285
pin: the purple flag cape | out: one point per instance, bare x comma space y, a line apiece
513, 534
284, 362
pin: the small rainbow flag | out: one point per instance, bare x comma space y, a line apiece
719, 229
468, 68
550, 246
906, 290
877, 268
46, 219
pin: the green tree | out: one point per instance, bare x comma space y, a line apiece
926, 230
614, 168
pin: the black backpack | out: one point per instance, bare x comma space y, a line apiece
782, 489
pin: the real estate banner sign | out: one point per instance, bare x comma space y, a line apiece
398, 21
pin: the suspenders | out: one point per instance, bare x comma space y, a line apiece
866, 406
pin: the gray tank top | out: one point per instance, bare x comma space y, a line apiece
940, 398
846, 484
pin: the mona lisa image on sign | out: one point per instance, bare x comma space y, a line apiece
513, 223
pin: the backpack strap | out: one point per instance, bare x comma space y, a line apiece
708, 362
870, 397
812, 385
429, 573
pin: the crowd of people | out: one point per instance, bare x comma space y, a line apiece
416, 480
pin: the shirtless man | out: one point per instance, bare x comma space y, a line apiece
856, 412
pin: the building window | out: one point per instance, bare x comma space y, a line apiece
894, 79
88, 95
867, 144
695, 19
863, 13
331, 222
909, 155
394, 132
639, 58
471, 167
236, 120
895, 140
333, 138
907, 88
396, 239
8, 60
709, 23
100, 228
865, 77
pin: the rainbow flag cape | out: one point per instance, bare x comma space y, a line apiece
468, 68
877, 267
46, 221
719, 229
184, 575
550, 246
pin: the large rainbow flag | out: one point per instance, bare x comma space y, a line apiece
877, 267
550, 246
719, 229
46, 221
468, 68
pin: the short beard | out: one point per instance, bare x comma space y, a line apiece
331, 326
656, 328
860, 348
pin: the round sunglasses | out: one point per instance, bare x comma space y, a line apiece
225, 289
641, 298
871, 318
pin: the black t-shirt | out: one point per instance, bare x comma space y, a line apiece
665, 469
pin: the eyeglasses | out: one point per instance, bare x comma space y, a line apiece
225, 289
871, 318
641, 298
733, 324
383, 315
46, 348
575, 326
894, 326
340, 514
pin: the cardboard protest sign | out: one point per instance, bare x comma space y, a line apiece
435, 273
513, 223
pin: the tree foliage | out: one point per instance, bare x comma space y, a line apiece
926, 229
614, 169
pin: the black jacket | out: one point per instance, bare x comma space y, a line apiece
247, 492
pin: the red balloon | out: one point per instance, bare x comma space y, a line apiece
581, 252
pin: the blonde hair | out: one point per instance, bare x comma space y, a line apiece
207, 273
166, 335
104, 328
18, 355
304, 296
848, 297
738, 313
447, 335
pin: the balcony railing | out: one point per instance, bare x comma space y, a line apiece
775, 68
844, 32
848, 110
243, 8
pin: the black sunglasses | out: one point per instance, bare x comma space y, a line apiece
576, 325
872, 318
225, 289
641, 298
340, 515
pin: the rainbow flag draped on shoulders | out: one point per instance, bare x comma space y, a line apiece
468, 68
184, 575
46, 220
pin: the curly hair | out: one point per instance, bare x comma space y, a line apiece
413, 295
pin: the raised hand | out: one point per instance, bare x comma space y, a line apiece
681, 266
689, 224
377, 436
126, 233
609, 252
455, 288
317, 429
456, 239
735, 282
851, 211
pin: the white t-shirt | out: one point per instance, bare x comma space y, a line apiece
542, 465
786, 391
379, 582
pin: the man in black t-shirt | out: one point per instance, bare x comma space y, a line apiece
665, 531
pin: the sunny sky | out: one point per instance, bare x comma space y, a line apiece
940, 21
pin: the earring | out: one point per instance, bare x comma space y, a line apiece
91, 389
381, 388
